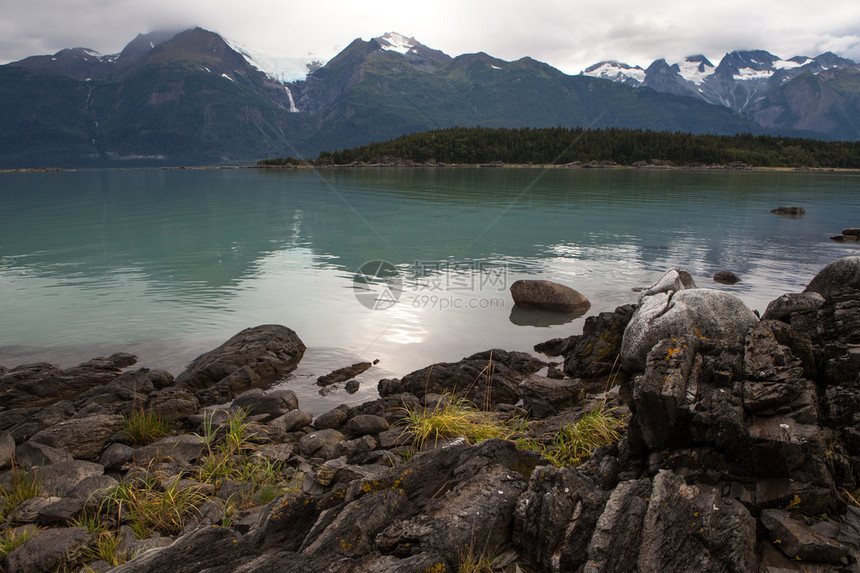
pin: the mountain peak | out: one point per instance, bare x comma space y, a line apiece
396, 42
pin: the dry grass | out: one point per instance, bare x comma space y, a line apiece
457, 418
576, 442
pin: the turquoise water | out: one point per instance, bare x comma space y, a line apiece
169, 263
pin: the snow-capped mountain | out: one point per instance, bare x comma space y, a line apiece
741, 79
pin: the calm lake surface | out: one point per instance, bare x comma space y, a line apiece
168, 264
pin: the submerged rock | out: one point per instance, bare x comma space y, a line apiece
726, 277
789, 211
343, 374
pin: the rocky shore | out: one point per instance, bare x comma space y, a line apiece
734, 446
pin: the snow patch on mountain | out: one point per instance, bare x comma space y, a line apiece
752, 74
788, 64
616, 72
394, 42
696, 71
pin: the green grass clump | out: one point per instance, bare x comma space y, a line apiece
24, 486
144, 426
575, 442
107, 549
11, 539
457, 418
147, 506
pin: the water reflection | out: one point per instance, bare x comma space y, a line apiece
541, 318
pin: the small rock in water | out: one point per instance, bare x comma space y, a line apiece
547, 295
343, 374
852, 232
790, 211
352, 386
843, 238
726, 277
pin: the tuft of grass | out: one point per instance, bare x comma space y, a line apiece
144, 426
229, 457
11, 539
576, 442
107, 549
24, 486
147, 506
457, 418
470, 561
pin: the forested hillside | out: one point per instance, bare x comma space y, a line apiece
560, 146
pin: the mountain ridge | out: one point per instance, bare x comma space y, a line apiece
192, 98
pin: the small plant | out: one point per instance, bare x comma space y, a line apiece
457, 418
11, 539
24, 486
144, 426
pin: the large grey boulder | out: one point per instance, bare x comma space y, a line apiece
254, 358
842, 274
548, 295
697, 312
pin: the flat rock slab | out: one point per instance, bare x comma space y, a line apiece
83, 438
544, 396
59, 479
798, 541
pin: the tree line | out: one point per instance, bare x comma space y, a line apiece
561, 146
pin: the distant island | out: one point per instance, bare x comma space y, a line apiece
594, 147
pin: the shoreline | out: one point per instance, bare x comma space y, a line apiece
412, 165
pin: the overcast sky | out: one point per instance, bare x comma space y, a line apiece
569, 34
